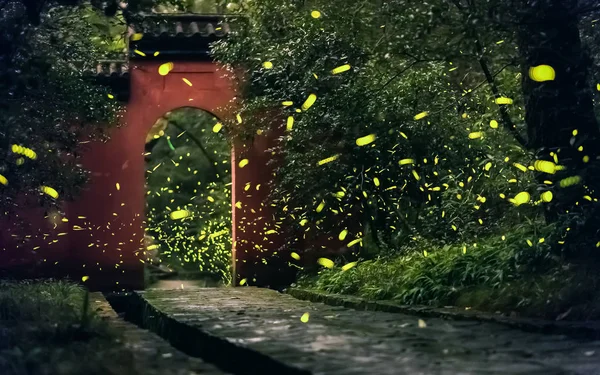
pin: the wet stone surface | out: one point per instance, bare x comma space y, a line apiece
151, 354
337, 340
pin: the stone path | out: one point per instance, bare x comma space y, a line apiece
340, 341
151, 355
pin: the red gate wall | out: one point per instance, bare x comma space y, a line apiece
108, 249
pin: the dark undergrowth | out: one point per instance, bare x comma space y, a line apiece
509, 276
44, 330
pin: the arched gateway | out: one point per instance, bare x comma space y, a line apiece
103, 236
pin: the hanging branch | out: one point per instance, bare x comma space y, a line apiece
201, 147
505, 119
504, 115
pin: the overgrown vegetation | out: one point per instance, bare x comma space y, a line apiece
489, 281
422, 143
494, 274
42, 331
38, 62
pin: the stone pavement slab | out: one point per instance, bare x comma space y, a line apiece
151, 354
338, 340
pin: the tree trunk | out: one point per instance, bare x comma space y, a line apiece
549, 35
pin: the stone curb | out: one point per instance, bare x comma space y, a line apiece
152, 354
585, 330
198, 343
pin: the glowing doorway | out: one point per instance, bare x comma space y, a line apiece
188, 197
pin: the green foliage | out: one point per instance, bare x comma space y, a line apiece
444, 229
196, 177
47, 106
440, 275
111, 32
40, 321
40, 301
403, 63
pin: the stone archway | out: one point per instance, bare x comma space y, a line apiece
193, 81
119, 213
103, 236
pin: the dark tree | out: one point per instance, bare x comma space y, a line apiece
559, 113
46, 104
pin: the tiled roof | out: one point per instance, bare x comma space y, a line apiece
180, 26
112, 68
112, 73
176, 35
186, 36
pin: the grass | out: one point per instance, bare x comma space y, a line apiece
45, 329
495, 275
40, 301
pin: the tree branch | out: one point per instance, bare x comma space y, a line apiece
201, 147
396, 76
504, 115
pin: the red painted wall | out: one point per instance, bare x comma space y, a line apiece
28, 238
108, 248
258, 238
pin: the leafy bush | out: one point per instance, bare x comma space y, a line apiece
446, 175
448, 164
438, 275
